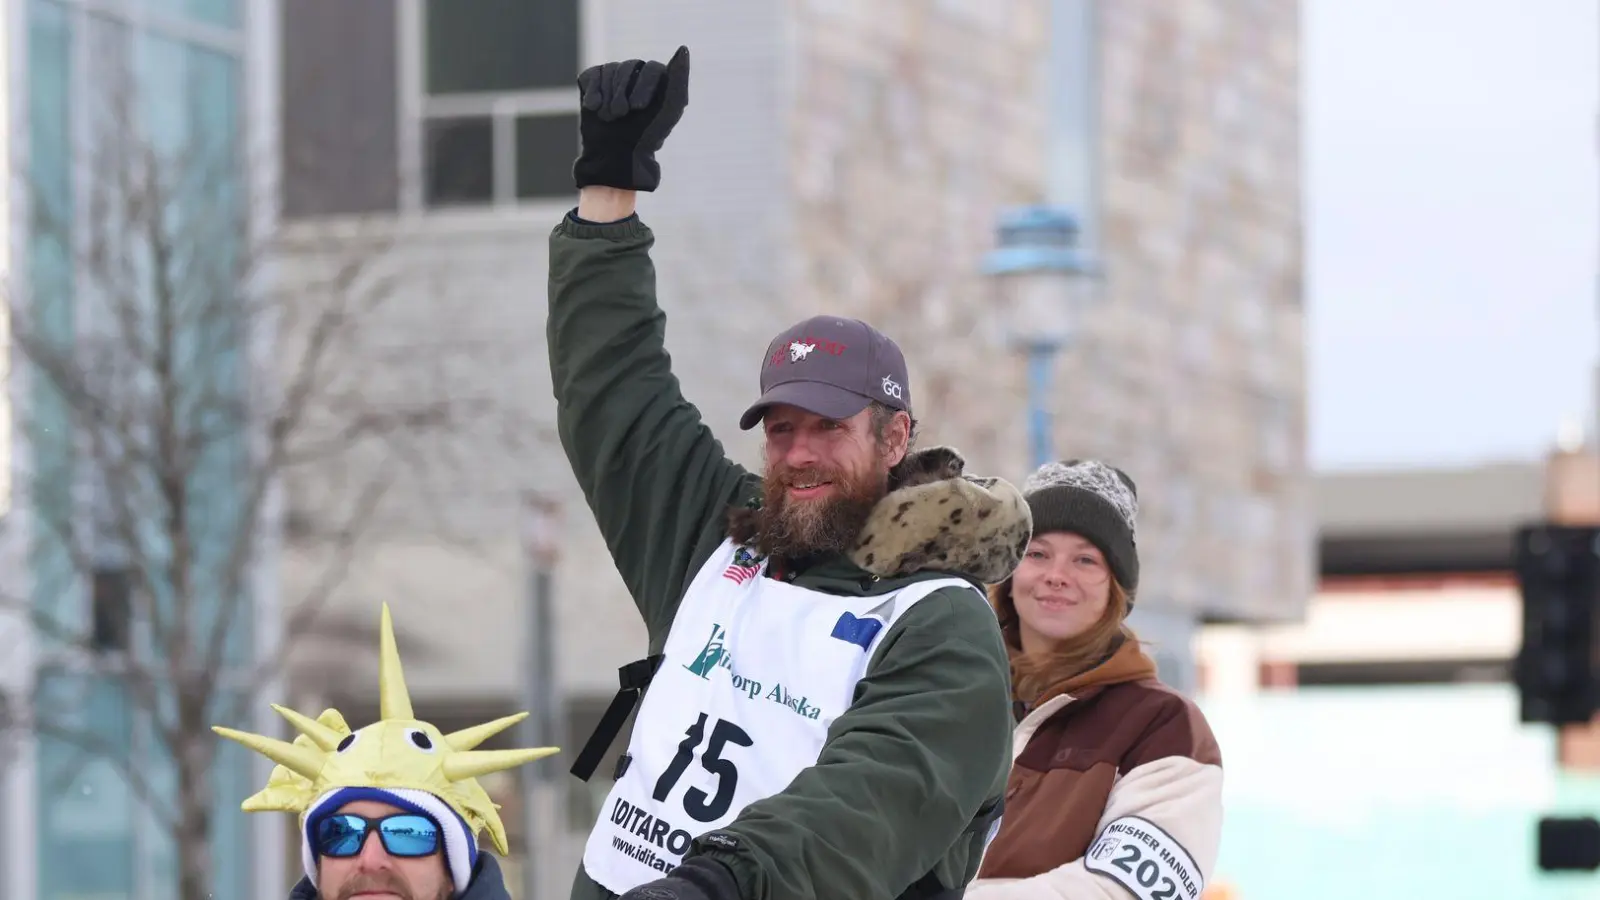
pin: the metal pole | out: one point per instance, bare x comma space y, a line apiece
1041, 359
537, 726
542, 728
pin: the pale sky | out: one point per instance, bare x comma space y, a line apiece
1452, 227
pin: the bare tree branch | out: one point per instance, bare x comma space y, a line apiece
306, 615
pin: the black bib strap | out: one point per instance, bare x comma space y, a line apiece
634, 678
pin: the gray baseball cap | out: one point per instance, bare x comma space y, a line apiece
832, 367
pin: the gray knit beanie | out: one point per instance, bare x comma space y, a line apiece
1090, 498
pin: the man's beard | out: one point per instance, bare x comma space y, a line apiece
797, 529
387, 881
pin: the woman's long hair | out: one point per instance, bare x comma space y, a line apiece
1031, 676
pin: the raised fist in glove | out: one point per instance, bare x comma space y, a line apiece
696, 879
627, 111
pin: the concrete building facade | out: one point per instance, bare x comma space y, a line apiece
837, 156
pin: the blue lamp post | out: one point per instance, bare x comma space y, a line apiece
1044, 281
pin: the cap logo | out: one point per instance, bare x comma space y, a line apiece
799, 351
891, 388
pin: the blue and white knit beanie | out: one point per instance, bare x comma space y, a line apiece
460, 848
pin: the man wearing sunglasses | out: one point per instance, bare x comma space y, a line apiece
828, 710
390, 811
374, 849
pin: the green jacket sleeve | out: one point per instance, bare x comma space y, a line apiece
905, 770
656, 479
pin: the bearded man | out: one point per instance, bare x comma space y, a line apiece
828, 710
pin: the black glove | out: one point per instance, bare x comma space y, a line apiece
628, 109
697, 879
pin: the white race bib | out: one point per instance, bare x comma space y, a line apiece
755, 671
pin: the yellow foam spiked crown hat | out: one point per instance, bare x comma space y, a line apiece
397, 752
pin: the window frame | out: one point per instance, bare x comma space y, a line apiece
141, 16
416, 107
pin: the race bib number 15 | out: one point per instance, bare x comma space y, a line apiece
1146, 860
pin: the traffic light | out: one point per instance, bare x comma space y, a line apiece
1569, 844
1558, 570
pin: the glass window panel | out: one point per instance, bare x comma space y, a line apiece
112, 92
232, 830
460, 161
501, 45
49, 80
159, 851
86, 810
111, 604
546, 148
214, 207
189, 108
340, 110
162, 83
231, 868
189, 113
50, 271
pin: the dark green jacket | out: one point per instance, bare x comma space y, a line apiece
927, 741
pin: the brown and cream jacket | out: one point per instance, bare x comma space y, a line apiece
1115, 792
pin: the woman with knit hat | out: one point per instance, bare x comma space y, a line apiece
1116, 782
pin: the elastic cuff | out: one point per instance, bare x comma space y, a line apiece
622, 229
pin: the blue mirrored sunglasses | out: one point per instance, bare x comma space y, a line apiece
403, 834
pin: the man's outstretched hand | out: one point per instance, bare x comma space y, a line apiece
627, 111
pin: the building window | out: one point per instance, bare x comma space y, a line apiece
111, 611
499, 104
459, 161
340, 105
476, 105
89, 840
501, 46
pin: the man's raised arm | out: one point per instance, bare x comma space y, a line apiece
655, 477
